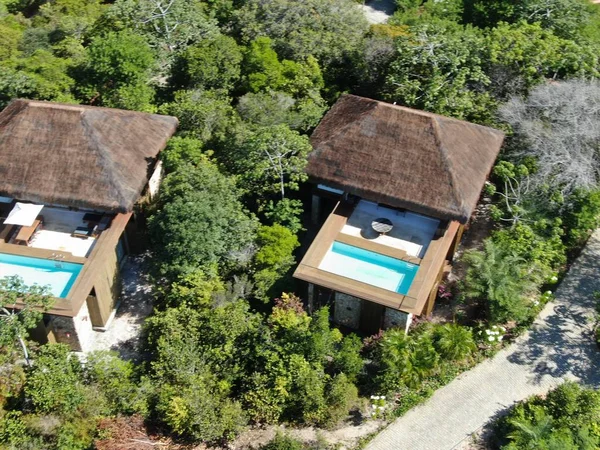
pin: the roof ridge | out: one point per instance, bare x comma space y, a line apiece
447, 163
107, 163
44, 104
430, 114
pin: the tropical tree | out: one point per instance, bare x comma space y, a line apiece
566, 418
329, 30
531, 433
522, 55
438, 67
559, 126
267, 109
566, 18
502, 280
204, 115
169, 25
454, 342
271, 160
209, 64
263, 71
200, 221
274, 257
16, 321
116, 72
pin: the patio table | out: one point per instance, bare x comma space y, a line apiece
382, 225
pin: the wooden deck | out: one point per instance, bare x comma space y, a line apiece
427, 276
97, 270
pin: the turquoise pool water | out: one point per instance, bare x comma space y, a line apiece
59, 275
369, 267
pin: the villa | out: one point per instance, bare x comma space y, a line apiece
404, 184
70, 177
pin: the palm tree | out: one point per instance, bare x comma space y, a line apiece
529, 433
501, 278
454, 342
408, 359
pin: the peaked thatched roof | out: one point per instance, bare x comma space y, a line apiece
402, 157
80, 156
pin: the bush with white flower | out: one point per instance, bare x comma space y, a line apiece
377, 406
493, 335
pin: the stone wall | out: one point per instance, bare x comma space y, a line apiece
394, 318
347, 310
76, 331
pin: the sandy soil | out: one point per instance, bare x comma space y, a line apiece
346, 437
123, 333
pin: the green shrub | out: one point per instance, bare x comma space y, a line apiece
265, 397
454, 342
567, 419
502, 280
307, 391
76, 434
114, 378
201, 411
283, 442
54, 382
581, 216
347, 359
13, 430
406, 359
197, 289
540, 244
286, 212
341, 396
273, 259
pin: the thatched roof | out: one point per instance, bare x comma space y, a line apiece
79, 156
402, 157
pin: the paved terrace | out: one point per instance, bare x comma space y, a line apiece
558, 347
411, 233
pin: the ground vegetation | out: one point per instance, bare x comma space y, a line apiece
229, 345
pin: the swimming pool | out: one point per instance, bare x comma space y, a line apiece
59, 275
369, 267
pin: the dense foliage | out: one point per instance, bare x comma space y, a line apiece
59, 401
248, 81
567, 418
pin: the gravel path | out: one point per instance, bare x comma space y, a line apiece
123, 333
559, 346
378, 11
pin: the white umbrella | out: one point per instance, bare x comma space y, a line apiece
23, 214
